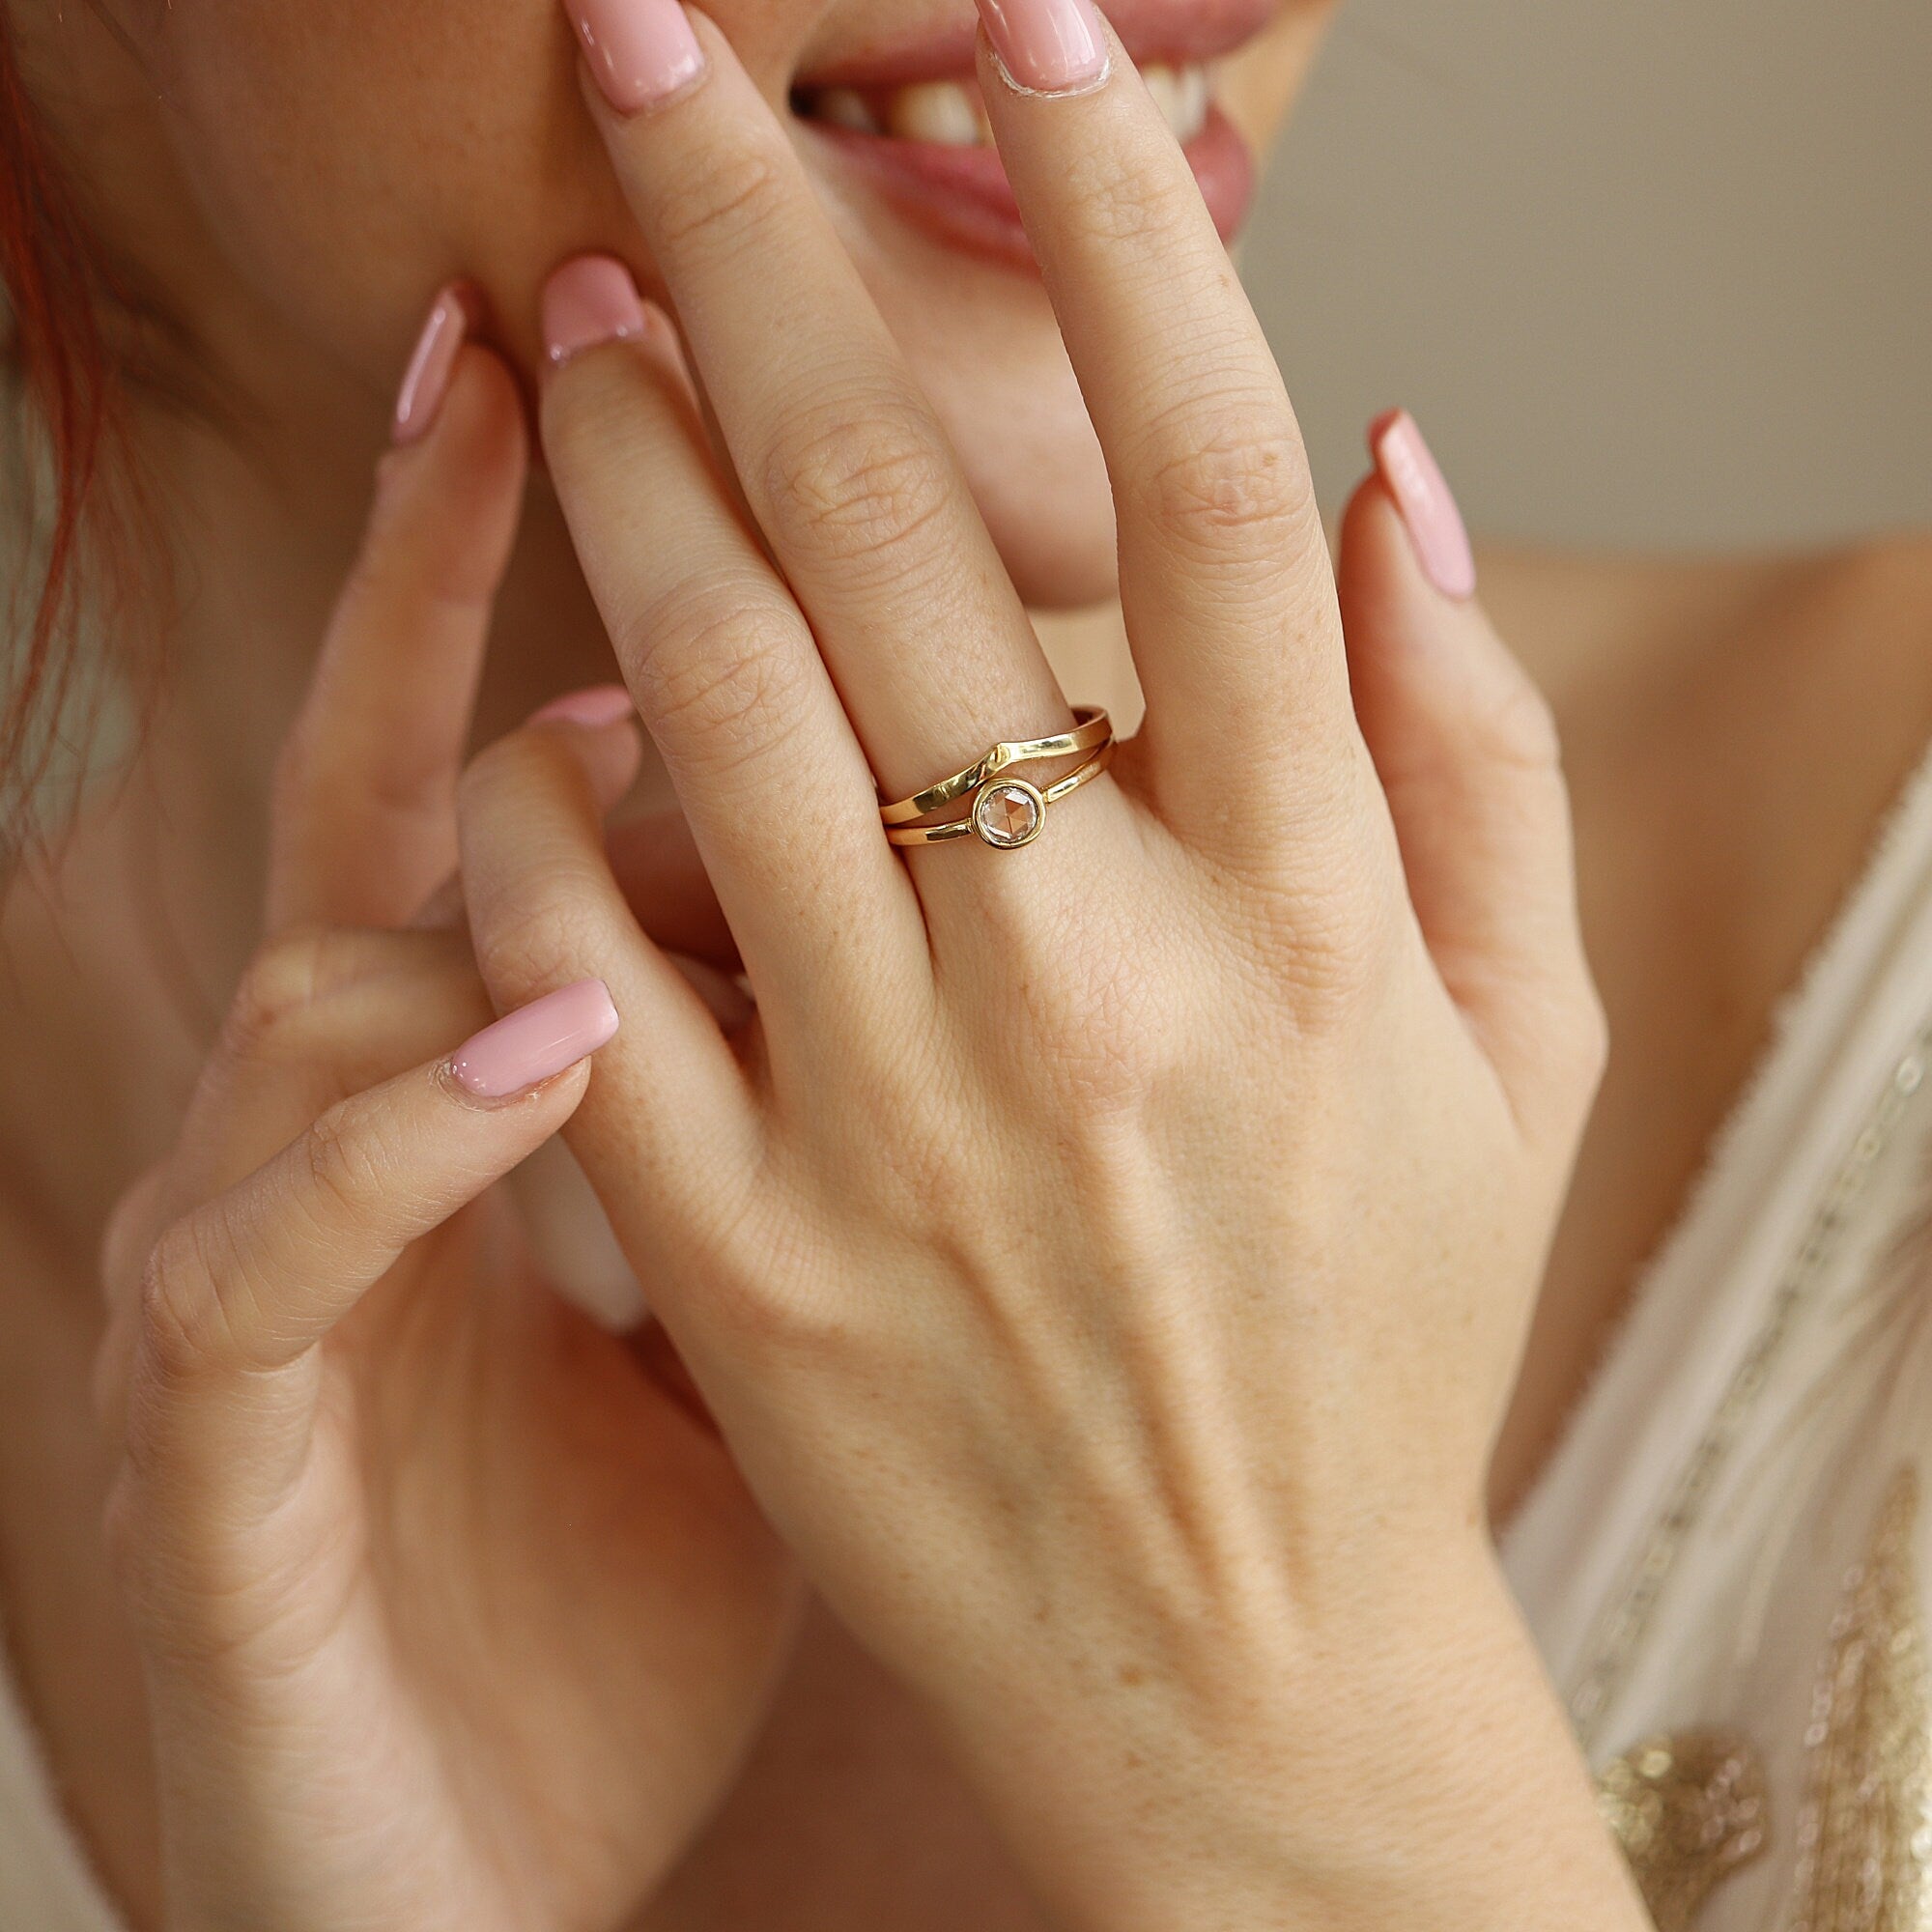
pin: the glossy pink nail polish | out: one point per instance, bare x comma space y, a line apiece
589, 302
601, 705
1428, 505
1048, 46
639, 51
536, 1042
426, 381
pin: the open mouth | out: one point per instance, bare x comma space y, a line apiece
914, 121
952, 114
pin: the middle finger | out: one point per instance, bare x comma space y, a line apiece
840, 458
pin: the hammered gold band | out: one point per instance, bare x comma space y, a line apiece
1007, 813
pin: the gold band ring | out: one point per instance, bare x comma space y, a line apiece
1009, 812
1093, 729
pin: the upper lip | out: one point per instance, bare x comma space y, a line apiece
1177, 32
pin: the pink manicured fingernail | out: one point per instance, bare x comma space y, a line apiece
589, 302
601, 704
640, 52
1050, 46
1428, 505
536, 1042
427, 379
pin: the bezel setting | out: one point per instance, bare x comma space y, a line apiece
996, 797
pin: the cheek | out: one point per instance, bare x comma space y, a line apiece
349, 155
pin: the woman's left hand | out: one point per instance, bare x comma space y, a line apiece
1108, 1260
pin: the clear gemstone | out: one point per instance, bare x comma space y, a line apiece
1007, 815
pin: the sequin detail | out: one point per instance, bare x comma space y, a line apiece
1865, 1835
1687, 1810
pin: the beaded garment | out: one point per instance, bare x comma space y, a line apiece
1727, 1564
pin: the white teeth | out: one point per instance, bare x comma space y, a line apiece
947, 115
1162, 86
1196, 98
938, 111
845, 107
1181, 95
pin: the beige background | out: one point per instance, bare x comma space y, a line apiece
1650, 271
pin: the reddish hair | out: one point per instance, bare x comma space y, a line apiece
59, 354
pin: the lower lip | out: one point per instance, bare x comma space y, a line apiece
963, 196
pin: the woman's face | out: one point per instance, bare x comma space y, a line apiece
341, 158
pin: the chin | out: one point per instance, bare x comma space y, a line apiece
1053, 522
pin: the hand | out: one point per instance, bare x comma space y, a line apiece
1108, 1260
452, 1616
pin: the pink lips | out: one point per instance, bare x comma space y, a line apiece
1179, 32
962, 194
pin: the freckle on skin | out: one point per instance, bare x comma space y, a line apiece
1132, 1673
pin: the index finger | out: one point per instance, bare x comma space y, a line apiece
237, 1294
364, 812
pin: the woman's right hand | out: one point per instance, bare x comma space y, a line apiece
452, 1615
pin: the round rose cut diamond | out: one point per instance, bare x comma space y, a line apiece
1009, 813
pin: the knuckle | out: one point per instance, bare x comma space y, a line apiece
720, 676
1092, 1025
772, 1316
1095, 1024
1324, 932
1333, 953
864, 482
717, 197
281, 984
764, 1298
285, 986
336, 1166
1231, 480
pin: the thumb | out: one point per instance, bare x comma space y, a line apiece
1468, 758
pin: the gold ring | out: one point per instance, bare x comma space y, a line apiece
1093, 729
1009, 812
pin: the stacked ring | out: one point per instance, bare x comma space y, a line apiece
1006, 813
